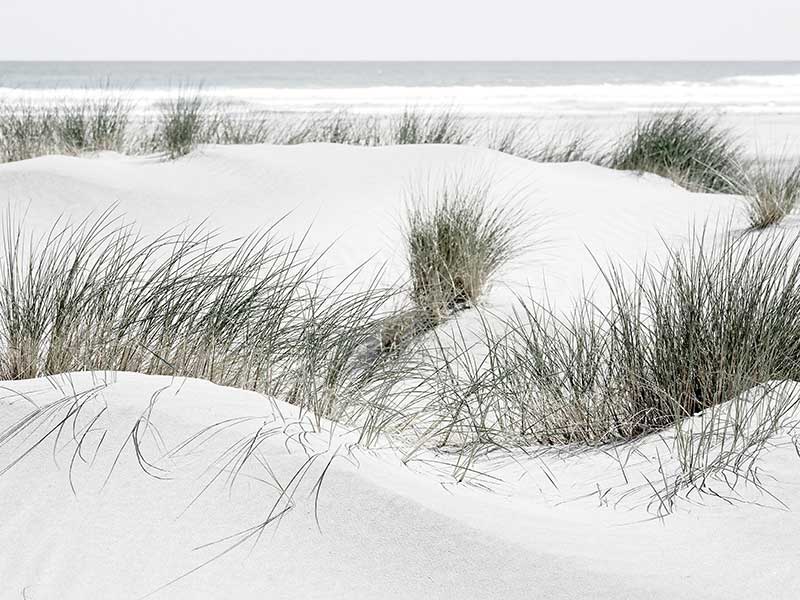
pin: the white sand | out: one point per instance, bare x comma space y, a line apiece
553, 527
356, 197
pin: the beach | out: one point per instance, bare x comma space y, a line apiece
201, 399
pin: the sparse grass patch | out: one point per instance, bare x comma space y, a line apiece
338, 127
691, 149
515, 138
524, 141
248, 128
576, 146
771, 188
27, 131
93, 126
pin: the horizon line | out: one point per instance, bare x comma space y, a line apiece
400, 61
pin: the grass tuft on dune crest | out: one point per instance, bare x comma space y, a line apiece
28, 131
182, 124
690, 148
429, 127
771, 189
456, 241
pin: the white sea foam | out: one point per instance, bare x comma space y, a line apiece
765, 80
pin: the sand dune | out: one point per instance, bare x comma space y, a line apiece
89, 516
375, 529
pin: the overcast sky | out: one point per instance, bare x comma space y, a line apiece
398, 29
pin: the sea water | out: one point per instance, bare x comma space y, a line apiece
565, 88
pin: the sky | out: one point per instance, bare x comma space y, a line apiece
400, 30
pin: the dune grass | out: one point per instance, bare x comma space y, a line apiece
188, 119
28, 131
455, 242
94, 126
719, 318
415, 126
691, 345
337, 127
771, 188
96, 296
688, 147
228, 127
525, 141
182, 125
710, 327
683, 346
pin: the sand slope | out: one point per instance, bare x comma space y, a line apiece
354, 198
376, 528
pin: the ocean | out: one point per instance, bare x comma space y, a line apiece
505, 88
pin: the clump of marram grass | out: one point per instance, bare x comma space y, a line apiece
691, 149
714, 320
718, 319
691, 340
96, 296
251, 313
27, 131
771, 188
93, 126
456, 240
415, 126
181, 125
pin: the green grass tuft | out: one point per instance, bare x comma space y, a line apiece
427, 127
182, 124
93, 126
456, 241
27, 131
687, 147
771, 188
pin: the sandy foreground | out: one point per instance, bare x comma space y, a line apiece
167, 506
